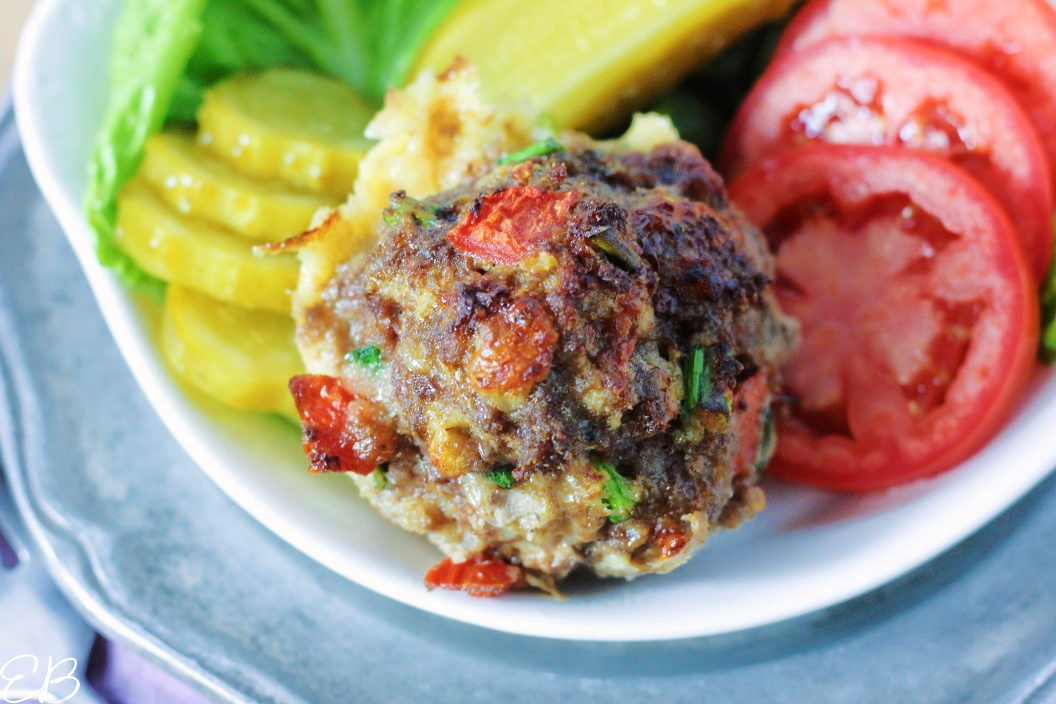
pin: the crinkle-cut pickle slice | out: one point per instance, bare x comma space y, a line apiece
199, 185
585, 62
243, 358
290, 126
201, 256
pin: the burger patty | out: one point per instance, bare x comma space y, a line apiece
566, 362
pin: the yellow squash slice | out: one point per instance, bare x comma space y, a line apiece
197, 184
243, 358
291, 126
201, 256
587, 63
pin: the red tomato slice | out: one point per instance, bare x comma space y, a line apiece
1012, 38
511, 223
919, 318
477, 576
901, 92
342, 433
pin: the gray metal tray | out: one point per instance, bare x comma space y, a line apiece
158, 558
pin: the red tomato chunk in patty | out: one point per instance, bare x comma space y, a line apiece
342, 433
508, 225
477, 576
919, 318
515, 348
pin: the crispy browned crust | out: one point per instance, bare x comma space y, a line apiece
305, 238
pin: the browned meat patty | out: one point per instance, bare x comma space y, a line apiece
575, 358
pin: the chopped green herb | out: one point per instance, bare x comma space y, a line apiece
619, 494
503, 476
402, 205
368, 357
380, 477
697, 379
608, 243
547, 146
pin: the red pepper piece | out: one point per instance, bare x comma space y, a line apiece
510, 224
515, 348
341, 431
671, 543
476, 576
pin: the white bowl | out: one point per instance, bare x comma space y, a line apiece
809, 550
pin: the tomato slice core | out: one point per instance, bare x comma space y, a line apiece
862, 292
903, 93
919, 322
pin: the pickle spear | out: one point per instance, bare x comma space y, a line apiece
589, 64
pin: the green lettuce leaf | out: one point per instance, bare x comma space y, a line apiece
233, 39
1047, 349
152, 42
166, 54
370, 45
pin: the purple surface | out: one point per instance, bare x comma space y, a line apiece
121, 676
8, 558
